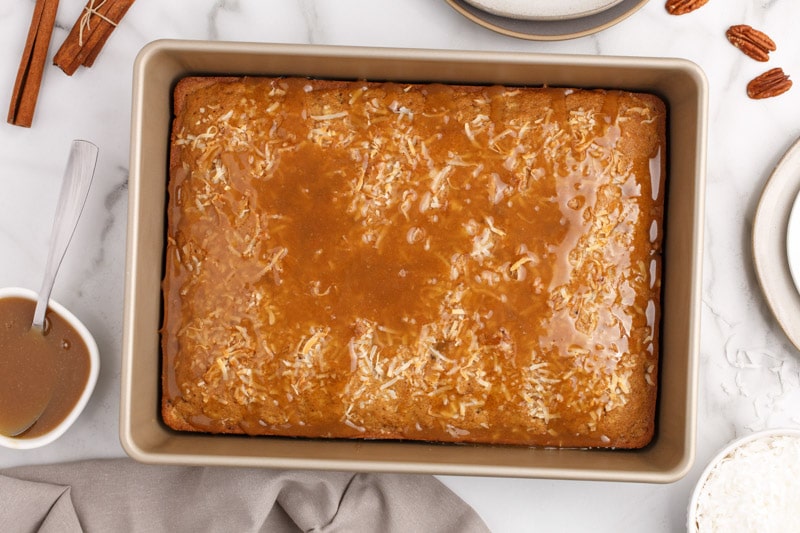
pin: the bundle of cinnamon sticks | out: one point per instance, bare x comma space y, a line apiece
81, 48
90, 33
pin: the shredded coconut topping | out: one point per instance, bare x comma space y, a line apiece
388, 246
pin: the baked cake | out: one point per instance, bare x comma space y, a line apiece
349, 259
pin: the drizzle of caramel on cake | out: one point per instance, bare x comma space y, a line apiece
482, 261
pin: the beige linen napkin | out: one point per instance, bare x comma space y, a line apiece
122, 495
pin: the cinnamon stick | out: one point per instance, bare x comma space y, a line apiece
31, 67
90, 33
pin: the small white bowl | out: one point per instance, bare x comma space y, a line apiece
728, 456
94, 369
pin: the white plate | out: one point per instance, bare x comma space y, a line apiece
543, 9
551, 29
793, 242
770, 230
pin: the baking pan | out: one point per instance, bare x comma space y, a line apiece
680, 83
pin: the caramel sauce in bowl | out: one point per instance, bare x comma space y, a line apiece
75, 357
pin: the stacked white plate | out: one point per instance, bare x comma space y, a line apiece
543, 9
546, 20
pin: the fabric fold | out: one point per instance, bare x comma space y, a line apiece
34, 506
122, 495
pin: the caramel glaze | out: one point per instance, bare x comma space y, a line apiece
55, 362
374, 260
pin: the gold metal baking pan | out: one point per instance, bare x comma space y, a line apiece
680, 83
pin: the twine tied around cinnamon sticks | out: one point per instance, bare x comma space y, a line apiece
86, 19
86, 39
80, 48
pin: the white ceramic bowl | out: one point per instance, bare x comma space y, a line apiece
94, 369
737, 454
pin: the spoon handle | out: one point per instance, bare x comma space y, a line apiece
74, 190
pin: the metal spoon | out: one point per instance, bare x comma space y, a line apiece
74, 190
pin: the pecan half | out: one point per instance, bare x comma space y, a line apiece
753, 43
771, 83
681, 7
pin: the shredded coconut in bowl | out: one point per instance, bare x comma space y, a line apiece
755, 486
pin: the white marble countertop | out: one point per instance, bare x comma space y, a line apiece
749, 371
